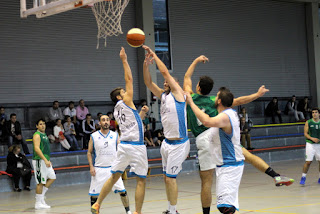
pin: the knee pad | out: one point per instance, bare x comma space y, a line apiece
93, 200
227, 210
123, 194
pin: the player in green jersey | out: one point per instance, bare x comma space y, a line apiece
207, 104
43, 171
312, 134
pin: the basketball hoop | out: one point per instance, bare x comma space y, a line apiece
108, 14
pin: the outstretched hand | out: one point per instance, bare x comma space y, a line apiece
262, 90
202, 59
145, 108
123, 55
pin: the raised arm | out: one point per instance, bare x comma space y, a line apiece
148, 80
143, 112
127, 76
220, 121
187, 83
247, 99
175, 87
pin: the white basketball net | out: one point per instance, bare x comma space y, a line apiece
108, 14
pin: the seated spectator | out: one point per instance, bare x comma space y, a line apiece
97, 121
19, 166
273, 110
88, 127
12, 132
3, 119
305, 108
143, 102
82, 111
291, 109
113, 123
55, 113
70, 133
71, 112
245, 134
58, 133
158, 137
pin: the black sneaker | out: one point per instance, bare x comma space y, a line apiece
27, 189
17, 189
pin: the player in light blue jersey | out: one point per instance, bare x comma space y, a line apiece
131, 149
226, 149
176, 145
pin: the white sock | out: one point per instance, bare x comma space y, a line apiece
44, 190
38, 198
304, 174
173, 209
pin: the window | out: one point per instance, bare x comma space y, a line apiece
161, 31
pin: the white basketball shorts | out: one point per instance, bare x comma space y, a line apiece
204, 145
102, 175
133, 155
312, 150
173, 153
227, 185
41, 172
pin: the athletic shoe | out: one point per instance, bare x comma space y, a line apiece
43, 202
168, 212
303, 180
282, 180
39, 206
319, 181
129, 212
95, 208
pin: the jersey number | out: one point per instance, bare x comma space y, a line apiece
121, 116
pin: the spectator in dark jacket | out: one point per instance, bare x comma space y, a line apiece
292, 109
305, 107
273, 110
19, 166
88, 127
12, 132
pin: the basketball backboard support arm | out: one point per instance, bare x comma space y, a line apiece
52, 8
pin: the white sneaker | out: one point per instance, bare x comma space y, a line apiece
43, 202
39, 206
129, 212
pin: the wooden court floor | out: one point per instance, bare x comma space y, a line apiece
257, 195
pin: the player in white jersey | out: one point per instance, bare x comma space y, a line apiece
131, 149
176, 146
102, 152
226, 149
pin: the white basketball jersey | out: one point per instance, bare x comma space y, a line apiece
226, 148
173, 117
129, 122
104, 148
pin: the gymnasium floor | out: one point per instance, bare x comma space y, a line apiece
257, 195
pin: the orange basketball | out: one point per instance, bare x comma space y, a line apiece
135, 37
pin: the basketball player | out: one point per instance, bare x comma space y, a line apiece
203, 139
312, 134
131, 149
43, 171
176, 146
226, 150
102, 152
